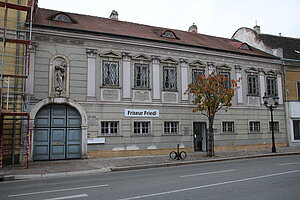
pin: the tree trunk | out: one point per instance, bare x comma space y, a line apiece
211, 151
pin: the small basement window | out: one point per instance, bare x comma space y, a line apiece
62, 18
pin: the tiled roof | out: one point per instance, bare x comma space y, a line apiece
98, 25
290, 46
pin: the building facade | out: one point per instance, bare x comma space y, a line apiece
287, 49
102, 87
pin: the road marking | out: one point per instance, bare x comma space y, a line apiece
60, 190
293, 163
208, 173
210, 185
69, 197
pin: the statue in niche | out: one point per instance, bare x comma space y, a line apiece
59, 72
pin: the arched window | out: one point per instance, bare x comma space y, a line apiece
169, 34
62, 18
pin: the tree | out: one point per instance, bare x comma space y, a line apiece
210, 94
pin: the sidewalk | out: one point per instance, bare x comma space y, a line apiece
59, 168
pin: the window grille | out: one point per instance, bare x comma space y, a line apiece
228, 127
271, 86
141, 75
110, 73
196, 73
252, 85
141, 128
254, 126
170, 78
109, 127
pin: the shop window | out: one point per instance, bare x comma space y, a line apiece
296, 126
171, 127
141, 128
228, 127
141, 77
170, 78
109, 127
110, 72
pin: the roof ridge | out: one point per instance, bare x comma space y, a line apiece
288, 37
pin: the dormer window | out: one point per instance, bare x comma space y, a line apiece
245, 46
62, 18
169, 34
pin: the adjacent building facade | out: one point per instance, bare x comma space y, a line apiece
101, 87
288, 50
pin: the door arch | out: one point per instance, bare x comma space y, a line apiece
57, 133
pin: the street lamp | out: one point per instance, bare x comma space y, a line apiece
271, 103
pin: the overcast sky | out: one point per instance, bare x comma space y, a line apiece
212, 17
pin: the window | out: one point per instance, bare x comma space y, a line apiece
276, 126
62, 18
298, 88
227, 76
252, 85
271, 86
141, 128
296, 126
169, 34
109, 127
196, 73
228, 127
171, 127
254, 126
170, 78
110, 73
141, 75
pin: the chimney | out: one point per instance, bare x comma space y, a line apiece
114, 15
256, 28
193, 28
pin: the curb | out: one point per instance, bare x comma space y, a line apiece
136, 167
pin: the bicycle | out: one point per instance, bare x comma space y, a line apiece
178, 155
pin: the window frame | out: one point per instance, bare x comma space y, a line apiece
271, 89
109, 128
147, 76
227, 74
225, 127
166, 72
298, 90
141, 128
252, 128
276, 129
197, 71
168, 127
253, 87
296, 137
110, 82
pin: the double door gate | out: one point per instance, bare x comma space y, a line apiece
57, 133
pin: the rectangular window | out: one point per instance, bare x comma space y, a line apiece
171, 127
141, 128
228, 127
141, 77
254, 127
298, 88
296, 127
271, 86
109, 127
110, 73
170, 78
196, 73
252, 85
227, 76
276, 126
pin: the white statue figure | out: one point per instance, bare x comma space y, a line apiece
60, 76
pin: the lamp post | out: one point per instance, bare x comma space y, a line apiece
271, 103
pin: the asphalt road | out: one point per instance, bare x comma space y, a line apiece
263, 178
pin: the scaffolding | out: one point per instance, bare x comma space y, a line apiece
15, 34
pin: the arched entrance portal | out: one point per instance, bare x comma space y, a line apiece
57, 133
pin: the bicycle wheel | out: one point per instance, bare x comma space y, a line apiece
173, 155
182, 154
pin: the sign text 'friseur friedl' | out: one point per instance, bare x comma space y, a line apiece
141, 113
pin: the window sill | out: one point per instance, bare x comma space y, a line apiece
171, 134
137, 88
111, 135
255, 133
110, 87
169, 90
141, 135
229, 133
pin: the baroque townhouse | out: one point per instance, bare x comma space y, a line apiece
102, 87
